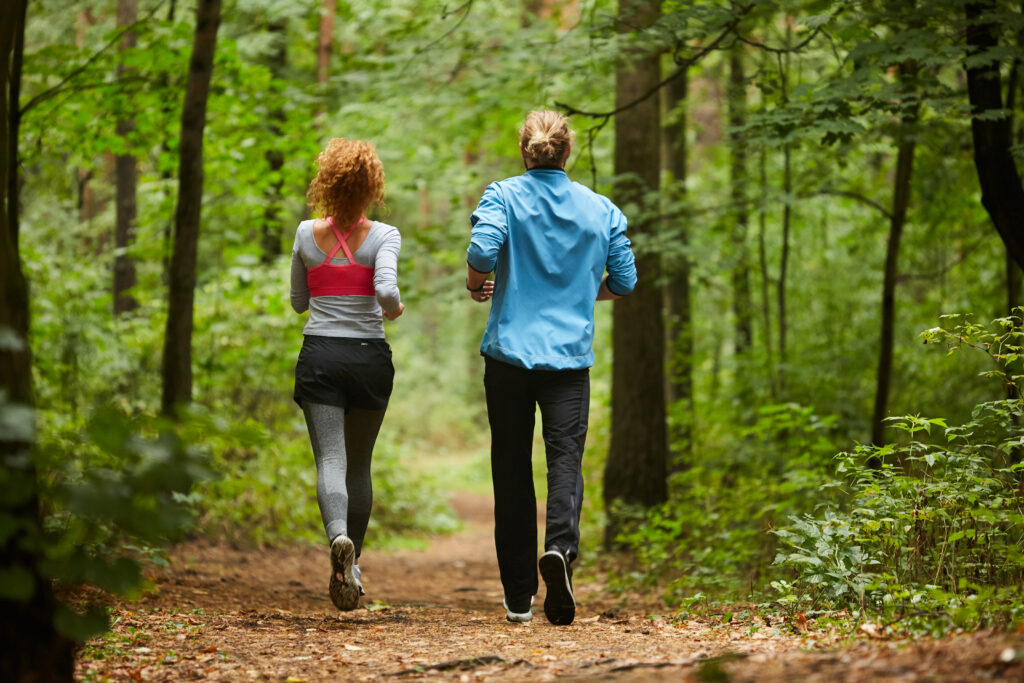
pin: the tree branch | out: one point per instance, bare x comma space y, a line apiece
965, 253
852, 195
683, 66
782, 50
465, 8
57, 89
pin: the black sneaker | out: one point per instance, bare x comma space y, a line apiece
518, 610
344, 587
559, 604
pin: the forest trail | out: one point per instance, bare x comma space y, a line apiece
435, 613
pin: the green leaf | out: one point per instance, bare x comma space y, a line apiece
81, 626
16, 583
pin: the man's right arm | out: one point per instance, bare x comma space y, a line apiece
620, 264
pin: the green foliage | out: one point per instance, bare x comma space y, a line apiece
711, 535
440, 90
923, 534
933, 537
112, 488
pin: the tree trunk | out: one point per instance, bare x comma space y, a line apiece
86, 194
1013, 301
762, 257
787, 186
1001, 192
165, 175
1013, 271
677, 291
127, 176
32, 649
177, 360
326, 39
635, 470
787, 218
270, 234
742, 306
898, 218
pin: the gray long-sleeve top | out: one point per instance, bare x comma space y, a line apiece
350, 315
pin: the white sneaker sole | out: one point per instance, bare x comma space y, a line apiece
518, 617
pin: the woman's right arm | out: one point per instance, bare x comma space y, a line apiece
385, 275
300, 286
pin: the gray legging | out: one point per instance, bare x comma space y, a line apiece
343, 446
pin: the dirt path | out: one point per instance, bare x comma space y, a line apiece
224, 614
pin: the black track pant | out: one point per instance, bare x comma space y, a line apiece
564, 399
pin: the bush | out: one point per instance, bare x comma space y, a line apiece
933, 538
710, 536
934, 535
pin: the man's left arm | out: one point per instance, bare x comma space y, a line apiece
489, 232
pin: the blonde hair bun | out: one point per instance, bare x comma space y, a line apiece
545, 137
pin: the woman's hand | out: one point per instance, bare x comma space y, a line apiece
485, 293
395, 314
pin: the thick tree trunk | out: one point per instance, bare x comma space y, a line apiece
127, 176
1001, 192
635, 470
177, 360
32, 649
741, 303
677, 291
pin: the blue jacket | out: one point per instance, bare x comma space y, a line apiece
549, 241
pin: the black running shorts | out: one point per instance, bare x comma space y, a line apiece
344, 371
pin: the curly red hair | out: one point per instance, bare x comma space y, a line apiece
349, 178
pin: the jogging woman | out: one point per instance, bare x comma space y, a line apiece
549, 242
344, 272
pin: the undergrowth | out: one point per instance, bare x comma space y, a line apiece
924, 535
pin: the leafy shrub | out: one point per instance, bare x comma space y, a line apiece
934, 537
711, 534
111, 490
936, 531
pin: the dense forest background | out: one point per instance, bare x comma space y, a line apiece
810, 186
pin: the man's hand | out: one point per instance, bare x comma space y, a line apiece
605, 294
395, 314
485, 293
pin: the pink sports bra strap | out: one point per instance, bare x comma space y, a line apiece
342, 240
